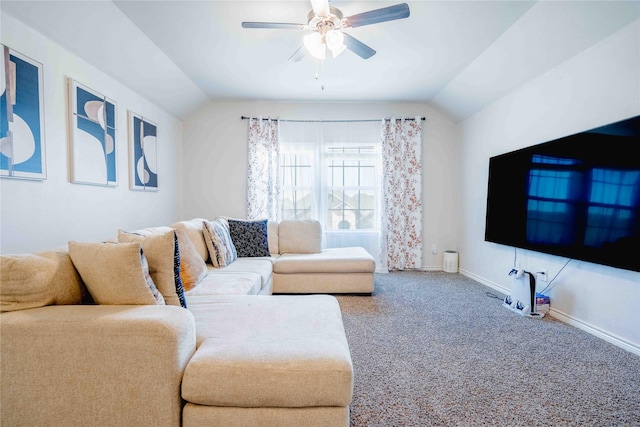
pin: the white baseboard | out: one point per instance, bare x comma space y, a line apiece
432, 268
566, 318
615, 340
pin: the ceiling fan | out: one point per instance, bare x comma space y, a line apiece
327, 23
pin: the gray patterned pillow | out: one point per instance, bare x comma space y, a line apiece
249, 237
221, 248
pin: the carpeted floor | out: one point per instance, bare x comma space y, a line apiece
432, 349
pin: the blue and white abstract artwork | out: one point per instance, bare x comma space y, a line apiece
22, 147
93, 136
143, 147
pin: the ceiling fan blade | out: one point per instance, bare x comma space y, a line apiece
274, 25
320, 7
391, 13
298, 54
357, 47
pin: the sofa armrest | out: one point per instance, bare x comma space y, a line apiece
94, 365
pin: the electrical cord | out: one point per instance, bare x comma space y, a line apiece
513, 271
492, 295
554, 277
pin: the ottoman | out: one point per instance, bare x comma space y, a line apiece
269, 361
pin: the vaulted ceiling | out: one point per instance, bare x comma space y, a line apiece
460, 56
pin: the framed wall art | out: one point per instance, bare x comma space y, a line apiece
92, 136
22, 142
143, 153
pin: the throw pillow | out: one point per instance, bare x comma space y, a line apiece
272, 231
176, 272
160, 251
26, 282
193, 228
249, 237
115, 273
222, 252
192, 266
66, 283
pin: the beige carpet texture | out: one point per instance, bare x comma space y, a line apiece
433, 349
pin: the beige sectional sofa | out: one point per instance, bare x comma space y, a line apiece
297, 263
235, 356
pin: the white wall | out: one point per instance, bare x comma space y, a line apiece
40, 215
216, 151
599, 86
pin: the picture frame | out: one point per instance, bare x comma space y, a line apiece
93, 144
143, 153
22, 131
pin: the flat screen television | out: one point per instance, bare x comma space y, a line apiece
576, 197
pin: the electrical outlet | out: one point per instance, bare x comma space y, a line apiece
543, 275
434, 249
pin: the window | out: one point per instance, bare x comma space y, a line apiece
337, 185
331, 172
352, 195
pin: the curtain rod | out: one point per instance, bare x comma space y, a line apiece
328, 121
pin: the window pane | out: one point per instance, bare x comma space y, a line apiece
366, 219
351, 176
335, 200
368, 176
367, 199
297, 199
336, 174
341, 219
352, 199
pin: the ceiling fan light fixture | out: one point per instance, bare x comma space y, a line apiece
314, 44
337, 51
335, 42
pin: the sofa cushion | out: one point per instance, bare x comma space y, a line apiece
261, 266
193, 228
192, 266
115, 273
222, 252
300, 237
229, 283
160, 251
332, 260
26, 282
273, 236
249, 237
264, 351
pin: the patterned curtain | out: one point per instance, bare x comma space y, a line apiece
401, 194
263, 186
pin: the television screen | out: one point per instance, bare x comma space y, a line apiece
576, 197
